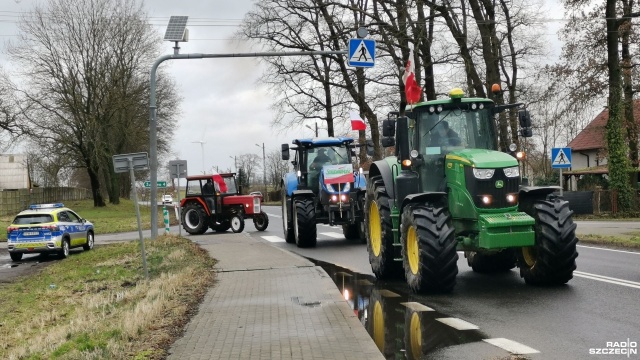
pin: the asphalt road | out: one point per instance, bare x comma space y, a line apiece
599, 305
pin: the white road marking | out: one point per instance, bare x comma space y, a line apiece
333, 235
611, 280
330, 226
274, 215
415, 306
458, 324
387, 293
614, 250
511, 346
273, 239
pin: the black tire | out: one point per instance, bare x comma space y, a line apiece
287, 224
351, 231
429, 253
221, 226
261, 221
66, 248
502, 261
379, 231
194, 219
15, 256
552, 260
304, 223
90, 242
237, 223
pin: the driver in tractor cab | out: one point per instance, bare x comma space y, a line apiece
208, 192
443, 135
315, 166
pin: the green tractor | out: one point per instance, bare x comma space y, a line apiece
449, 189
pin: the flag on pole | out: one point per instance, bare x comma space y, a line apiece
356, 121
411, 89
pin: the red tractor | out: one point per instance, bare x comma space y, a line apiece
213, 201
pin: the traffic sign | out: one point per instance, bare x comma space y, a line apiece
561, 158
177, 169
137, 161
362, 52
161, 184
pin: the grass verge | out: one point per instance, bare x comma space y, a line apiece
97, 305
623, 242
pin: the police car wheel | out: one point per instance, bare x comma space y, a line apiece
64, 253
90, 242
16, 256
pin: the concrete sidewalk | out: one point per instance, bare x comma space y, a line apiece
268, 303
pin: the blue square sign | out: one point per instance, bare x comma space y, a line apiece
561, 158
362, 53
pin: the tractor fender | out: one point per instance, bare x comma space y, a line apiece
431, 196
290, 182
527, 195
383, 168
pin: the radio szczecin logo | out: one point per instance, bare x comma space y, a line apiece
617, 348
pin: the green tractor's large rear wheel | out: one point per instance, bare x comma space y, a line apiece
552, 260
194, 219
379, 231
304, 222
428, 248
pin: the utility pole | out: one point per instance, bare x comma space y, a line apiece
264, 171
312, 128
235, 163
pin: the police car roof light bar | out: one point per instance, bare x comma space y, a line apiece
46, 206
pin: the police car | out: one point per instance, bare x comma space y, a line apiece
48, 228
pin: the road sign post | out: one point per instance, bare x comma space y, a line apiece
177, 170
138, 161
561, 159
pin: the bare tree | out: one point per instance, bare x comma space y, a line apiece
276, 168
84, 75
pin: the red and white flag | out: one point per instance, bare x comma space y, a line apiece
411, 89
356, 121
218, 180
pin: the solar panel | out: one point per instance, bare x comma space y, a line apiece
175, 29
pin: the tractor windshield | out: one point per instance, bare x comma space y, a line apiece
327, 155
455, 129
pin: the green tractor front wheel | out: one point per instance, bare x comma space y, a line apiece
429, 251
552, 260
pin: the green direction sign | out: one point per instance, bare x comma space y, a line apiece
161, 184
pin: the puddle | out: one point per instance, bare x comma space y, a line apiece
402, 324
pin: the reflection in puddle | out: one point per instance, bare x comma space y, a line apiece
400, 323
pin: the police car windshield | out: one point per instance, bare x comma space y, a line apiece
33, 219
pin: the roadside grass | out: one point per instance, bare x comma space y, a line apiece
106, 220
97, 305
632, 241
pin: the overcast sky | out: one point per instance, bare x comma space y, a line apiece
223, 105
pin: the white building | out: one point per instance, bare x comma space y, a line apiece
14, 173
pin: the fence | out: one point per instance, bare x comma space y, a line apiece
14, 201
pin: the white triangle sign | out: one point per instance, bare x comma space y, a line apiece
361, 55
561, 158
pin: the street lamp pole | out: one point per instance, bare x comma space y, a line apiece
202, 149
264, 170
312, 128
235, 163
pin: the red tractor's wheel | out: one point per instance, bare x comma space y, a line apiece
194, 219
237, 223
261, 221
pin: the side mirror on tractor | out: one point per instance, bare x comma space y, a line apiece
285, 151
388, 128
388, 141
370, 149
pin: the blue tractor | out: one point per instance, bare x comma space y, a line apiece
324, 188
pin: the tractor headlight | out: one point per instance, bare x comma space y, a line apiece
512, 198
511, 171
347, 187
330, 188
486, 199
483, 174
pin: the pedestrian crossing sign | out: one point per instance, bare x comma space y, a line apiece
561, 158
362, 52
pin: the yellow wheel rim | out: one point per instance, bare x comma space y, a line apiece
413, 252
529, 255
415, 336
378, 326
375, 229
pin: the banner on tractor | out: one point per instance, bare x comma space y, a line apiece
338, 174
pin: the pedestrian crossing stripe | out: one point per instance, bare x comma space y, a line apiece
333, 235
273, 239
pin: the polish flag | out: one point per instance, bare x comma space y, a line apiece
217, 179
411, 88
356, 121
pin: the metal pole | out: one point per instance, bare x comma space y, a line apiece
560, 181
316, 129
179, 208
264, 172
153, 130
135, 201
